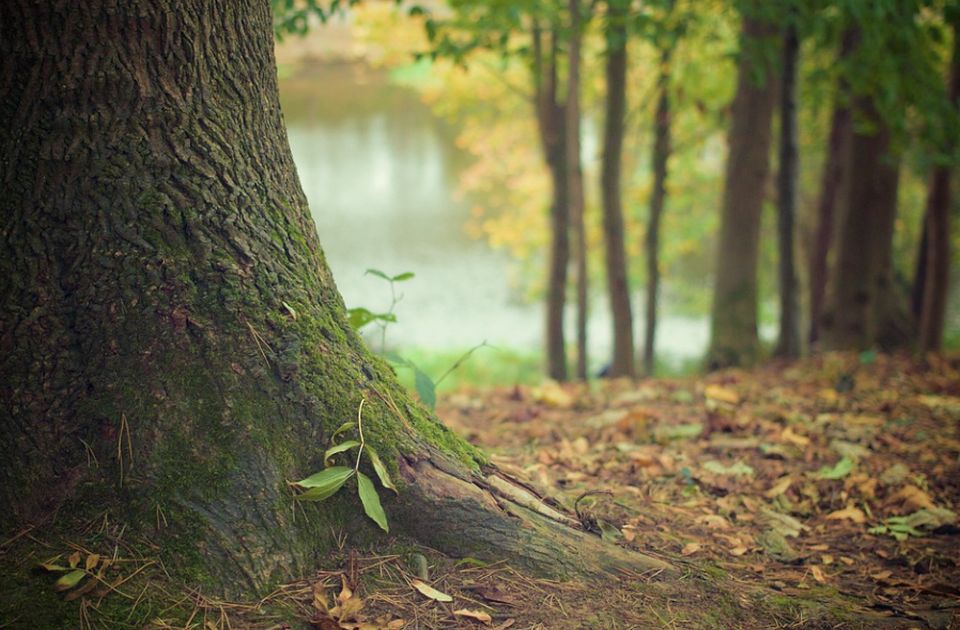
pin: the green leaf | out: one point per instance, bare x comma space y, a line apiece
377, 273
324, 484
838, 471
425, 387
346, 426
393, 357
371, 501
403, 277
380, 469
360, 317
339, 448
69, 580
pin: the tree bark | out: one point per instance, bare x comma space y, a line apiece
936, 262
661, 156
733, 338
618, 285
551, 124
862, 307
575, 183
171, 339
788, 343
831, 182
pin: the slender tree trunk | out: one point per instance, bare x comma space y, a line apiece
551, 123
861, 311
831, 183
661, 156
618, 285
575, 182
936, 263
171, 340
788, 344
734, 315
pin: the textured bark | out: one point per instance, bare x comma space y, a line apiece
733, 339
862, 310
788, 343
936, 261
551, 124
661, 155
618, 285
171, 340
575, 183
831, 183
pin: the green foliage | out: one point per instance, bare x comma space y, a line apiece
326, 483
292, 17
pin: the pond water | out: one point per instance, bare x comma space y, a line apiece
380, 172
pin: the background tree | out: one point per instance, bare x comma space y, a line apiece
575, 181
788, 343
618, 283
935, 259
173, 341
733, 333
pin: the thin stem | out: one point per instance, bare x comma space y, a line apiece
356, 468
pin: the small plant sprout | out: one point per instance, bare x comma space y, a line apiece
326, 483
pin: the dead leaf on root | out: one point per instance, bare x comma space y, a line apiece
478, 615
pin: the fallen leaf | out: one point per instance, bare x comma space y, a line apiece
818, 574
783, 484
690, 548
838, 471
474, 614
912, 498
428, 591
721, 394
849, 513
787, 435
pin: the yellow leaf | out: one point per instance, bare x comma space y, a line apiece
74, 559
782, 485
428, 591
474, 614
92, 561
794, 438
722, 394
690, 548
849, 513
818, 574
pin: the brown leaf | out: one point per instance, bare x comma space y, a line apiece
849, 513
690, 548
818, 574
474, 614
783, 484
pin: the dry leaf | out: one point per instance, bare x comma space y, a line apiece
783, 484
738, 551
428, 591
474, 614
818, 574
722, 394
787, 435
849, 513
690, 548
912, 499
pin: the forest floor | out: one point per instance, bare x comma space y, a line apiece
817, 494
820, 494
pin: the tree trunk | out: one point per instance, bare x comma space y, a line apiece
788, 343
171, 341
575, 183
936, 262
831, 182
734, 314
661, 155
551, 124
618, 285
862, 300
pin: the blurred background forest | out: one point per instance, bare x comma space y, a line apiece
758, 179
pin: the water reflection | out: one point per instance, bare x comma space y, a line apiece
380, 172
